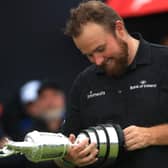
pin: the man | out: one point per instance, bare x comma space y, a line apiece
131, 73
51, 104
51, 100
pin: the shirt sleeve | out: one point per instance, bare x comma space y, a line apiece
72, 118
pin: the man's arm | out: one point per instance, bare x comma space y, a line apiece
141, 137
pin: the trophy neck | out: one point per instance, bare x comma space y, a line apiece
21, 147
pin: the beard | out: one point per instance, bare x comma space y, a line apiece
117, 64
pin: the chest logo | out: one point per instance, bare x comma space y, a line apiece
95, 94
143, 84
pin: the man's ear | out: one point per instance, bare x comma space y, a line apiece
119, 28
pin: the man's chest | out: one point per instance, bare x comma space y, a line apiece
138, 98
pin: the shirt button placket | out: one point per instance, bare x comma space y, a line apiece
119, 91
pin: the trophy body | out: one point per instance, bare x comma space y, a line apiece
40, 146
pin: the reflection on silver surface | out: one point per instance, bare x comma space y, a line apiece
41, 146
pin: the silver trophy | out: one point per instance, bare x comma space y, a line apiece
40, 146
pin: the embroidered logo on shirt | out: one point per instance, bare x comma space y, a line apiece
95, 94
143, 84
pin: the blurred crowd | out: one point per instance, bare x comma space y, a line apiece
38, 105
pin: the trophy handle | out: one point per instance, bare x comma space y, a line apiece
4, 152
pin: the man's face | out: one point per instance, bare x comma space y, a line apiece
52, 103
103, 49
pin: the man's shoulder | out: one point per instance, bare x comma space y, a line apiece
86, 76
159, 54
89, 71
159, 49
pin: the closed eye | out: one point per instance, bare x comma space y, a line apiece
99, 49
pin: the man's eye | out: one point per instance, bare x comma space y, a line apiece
89, 55
101, 49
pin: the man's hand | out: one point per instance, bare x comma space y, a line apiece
3, 142
82, 154
137, 137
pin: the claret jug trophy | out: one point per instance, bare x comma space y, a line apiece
40, 146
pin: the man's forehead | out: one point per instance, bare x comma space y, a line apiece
88, 46
90, 39
91, 27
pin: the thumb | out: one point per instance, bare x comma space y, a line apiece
72, 138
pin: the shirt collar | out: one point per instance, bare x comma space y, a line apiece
143, 55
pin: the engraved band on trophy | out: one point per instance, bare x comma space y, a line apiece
40, 146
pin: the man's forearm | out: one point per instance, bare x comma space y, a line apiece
159, 134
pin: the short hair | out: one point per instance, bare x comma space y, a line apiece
50, 85
91, 11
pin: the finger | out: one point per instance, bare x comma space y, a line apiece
75, 149
130, 143
129, 129
93, 161
88, 163
89, 159
81, 146
129, 136
133, 147
89, 149
72, 138
3, 142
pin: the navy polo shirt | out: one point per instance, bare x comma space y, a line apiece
138, 97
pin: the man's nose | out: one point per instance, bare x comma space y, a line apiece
98, 59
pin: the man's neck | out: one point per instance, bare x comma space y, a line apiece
133, 45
